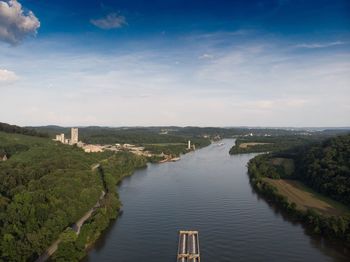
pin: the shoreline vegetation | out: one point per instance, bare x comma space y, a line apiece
263, 144
311, 183
112, 171
47, 186
74, 247
53, 186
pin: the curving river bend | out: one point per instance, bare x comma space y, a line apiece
207, 190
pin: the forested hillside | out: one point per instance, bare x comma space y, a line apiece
326, 167
46, 187
20, 130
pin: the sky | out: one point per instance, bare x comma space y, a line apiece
175, 62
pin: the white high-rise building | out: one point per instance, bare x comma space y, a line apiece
74, 136
189, 145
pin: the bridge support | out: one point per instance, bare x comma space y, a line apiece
188, 249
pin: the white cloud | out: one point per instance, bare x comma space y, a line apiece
7, 76
110, 21
320, 45
15, 24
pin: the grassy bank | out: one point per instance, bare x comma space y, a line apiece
305, 198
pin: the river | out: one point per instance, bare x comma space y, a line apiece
207, 190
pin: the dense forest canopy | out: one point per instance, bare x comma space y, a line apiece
47, 186
326, 167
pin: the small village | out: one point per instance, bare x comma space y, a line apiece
95, 148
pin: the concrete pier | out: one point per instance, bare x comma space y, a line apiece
188, 249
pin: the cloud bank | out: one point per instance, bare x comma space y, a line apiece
15, 23
111, 21
247, 82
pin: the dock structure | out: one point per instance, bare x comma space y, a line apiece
188, 249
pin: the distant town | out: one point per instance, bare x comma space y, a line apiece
95, 148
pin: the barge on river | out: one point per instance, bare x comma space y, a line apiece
188, 249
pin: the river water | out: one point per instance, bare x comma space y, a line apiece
209, 191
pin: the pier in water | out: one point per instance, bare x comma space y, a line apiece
188, 250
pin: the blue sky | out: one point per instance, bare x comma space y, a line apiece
207, 63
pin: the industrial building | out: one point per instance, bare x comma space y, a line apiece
74, 139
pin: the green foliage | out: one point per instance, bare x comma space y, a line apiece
271, 143
325, 167
20, 130
111, 171
47, 187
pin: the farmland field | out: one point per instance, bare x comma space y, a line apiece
306, 198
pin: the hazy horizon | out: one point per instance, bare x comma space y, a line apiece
200, 63
204, 126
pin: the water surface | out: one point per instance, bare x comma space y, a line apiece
209, 191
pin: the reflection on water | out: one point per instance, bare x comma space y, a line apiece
334, 248
208, 191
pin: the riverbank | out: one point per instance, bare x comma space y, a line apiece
323, 217
73, 247
76, 228
209, 191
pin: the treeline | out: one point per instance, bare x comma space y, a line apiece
271, 143
21, 130
230, 132
325, 168
73, 247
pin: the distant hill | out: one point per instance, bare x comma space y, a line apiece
13, 129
